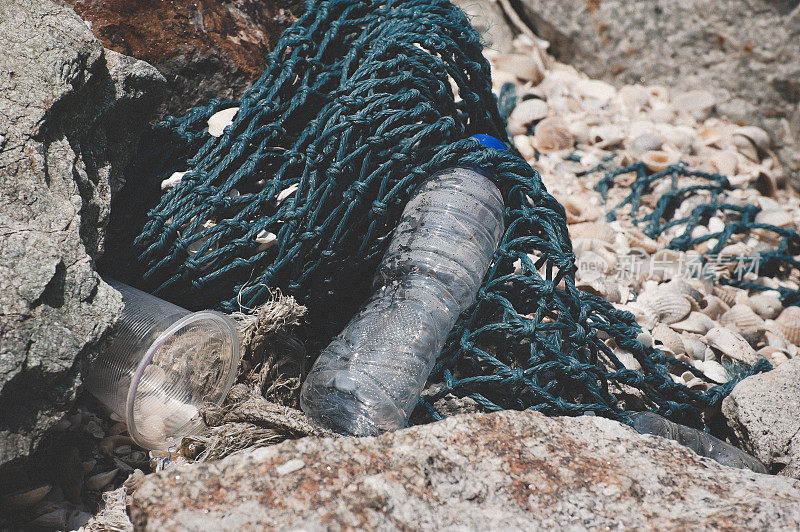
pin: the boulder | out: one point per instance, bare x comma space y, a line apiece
208, 49
764, 413
70, 117
746, 53
500, 471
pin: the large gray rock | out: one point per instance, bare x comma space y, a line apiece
747, 53
764, 412
70, 115
508, 470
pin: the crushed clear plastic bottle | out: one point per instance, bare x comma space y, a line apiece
370, 377
701, 443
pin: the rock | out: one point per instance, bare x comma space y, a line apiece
747, 54
487, 17
209, 49
71, 116
763, 412
506, 470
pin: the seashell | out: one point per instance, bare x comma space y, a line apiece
172, 180
728, 294
746, 147
93, 428
741, 318
220, 120
108, 444
627, 359
688, 379
101, 480
20, 500
682, 287
774, 338
606, 136
726, 162
698, 103
552, 134
657, 160
716, 224
695, 322
265, 240
775, 355
669, 306
579, 210
285, 193
709, 135
524, 146
778, 217
593, 230
756, 135
526, 113
788, 323
523, 66
580, 131
595, 89
714, 307
55, 520
666, 264
646, 142
634, 97
645, 316
766, 183
670, 339
695, 348
765, 304
714, 371
731, 344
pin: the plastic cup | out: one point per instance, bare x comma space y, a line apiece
161, 365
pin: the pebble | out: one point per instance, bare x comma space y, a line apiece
295, 464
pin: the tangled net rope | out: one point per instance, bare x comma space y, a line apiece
362, 100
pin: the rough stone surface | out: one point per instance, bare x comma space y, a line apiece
764, 412
487, 17
501, 471
747, 53
205, 49
70, 115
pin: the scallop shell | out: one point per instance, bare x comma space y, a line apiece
14, 502
658, 160
526, 113
788, 323
552, 135
101, 480
765, 305
714, 371
695, 347
731, 344
664, 335
669, 306
729, 295
715, 307
682, 287
742, 318
645, 316
695, 322
593, 230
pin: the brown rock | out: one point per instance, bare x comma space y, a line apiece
508, 470
206, 48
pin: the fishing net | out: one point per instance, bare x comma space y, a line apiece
363, 100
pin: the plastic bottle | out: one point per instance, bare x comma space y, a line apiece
703, 444
370, 377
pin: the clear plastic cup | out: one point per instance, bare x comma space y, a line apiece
162, 364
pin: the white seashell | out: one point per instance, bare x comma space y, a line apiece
698, 103
729, 295
593, 230
285, 193
788, 323
579, 210
523, 144
606, 136
714, 307
741, 318
645, 316
649, 141
695, 348
714, 371
657, 161
756, 135
265, 239
523, 66
776, 356
596, 90
731, 344
746, 147
220, 120
172, 180
627, 359
778, 217
14, 502
696, 322
726, 162
101, 480
773, 337
669, 306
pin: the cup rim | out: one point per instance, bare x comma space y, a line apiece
227, 383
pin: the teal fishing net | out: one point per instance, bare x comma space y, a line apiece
361, 101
